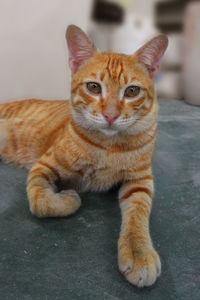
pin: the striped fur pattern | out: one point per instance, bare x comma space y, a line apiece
72, 141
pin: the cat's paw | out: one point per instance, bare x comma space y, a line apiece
50, 204
71, 200
141, 268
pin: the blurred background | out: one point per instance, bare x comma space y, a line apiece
33, 52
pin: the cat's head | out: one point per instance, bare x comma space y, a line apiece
111, 92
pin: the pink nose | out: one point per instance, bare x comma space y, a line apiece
111, 117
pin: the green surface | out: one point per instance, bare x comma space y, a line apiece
76, 257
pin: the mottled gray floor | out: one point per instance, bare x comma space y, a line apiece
76, 257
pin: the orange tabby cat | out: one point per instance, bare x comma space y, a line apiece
105, 134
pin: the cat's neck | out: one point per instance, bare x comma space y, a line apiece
118, 142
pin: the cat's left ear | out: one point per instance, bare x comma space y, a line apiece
80, 47
150, 54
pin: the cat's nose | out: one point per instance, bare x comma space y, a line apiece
110, 117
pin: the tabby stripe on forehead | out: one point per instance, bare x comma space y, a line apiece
118, 65
93, 75
125, 79
121, 70
114, 63
102, 75
108, 66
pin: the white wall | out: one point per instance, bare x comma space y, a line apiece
33, 52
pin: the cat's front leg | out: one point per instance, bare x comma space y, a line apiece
138, 261
44, 201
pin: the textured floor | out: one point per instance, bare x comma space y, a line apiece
76, 257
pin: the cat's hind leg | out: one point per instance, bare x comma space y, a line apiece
43, 199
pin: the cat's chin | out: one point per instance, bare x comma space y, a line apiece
109, 131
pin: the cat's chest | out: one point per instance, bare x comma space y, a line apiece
106, 169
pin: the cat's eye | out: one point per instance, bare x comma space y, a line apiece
94, 88
132, 91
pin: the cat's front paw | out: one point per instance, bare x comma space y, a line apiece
50, 204
71, 201
141, 267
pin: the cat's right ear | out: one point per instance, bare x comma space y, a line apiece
80, 47
150, 54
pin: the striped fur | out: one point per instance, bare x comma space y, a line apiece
70, 140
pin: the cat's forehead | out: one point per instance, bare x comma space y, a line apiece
112, 61
115, 68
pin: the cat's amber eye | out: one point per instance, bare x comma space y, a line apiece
132, 91
94, 88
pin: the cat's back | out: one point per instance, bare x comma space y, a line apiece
30, 127
38, 108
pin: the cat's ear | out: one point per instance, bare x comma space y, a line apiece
150, 54
80, 47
